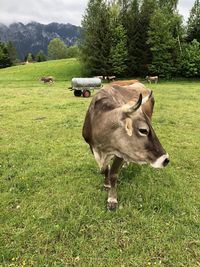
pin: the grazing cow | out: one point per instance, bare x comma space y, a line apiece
48, 79
152, 79
118, 127
110, 78
124, 82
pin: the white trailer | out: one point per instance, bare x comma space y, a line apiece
83, 86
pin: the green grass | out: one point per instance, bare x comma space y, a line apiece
53, 208
62, 70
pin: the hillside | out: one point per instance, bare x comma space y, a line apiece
34, 36
64, 69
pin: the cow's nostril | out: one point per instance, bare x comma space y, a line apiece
165, 162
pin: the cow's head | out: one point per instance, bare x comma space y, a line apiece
135, 138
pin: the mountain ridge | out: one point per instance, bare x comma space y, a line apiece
35, 36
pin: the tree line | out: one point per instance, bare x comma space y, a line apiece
140, 37
56, 50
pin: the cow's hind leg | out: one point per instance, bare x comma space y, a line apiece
112, 193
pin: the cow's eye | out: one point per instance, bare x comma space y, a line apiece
143, 131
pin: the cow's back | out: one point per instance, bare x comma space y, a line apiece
124, 82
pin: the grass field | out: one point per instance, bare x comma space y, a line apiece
53, 207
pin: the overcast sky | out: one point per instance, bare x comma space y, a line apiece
63, 11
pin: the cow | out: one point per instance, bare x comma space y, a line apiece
47, 79
152, 78
110, 78
124, 82
118, 127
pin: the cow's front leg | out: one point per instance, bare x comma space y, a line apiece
106, 172
112, 193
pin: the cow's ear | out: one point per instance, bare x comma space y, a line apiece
146, 98
128, 126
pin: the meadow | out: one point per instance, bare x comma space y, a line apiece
53, 206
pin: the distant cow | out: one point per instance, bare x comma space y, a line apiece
110, 78
152, 79
124, 82
118, 127
48, 79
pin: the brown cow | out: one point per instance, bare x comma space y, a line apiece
47, 79
118, 126
124, 82
152, 79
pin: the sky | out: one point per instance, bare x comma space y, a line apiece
62, 11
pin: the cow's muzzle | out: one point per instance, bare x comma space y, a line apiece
161, 161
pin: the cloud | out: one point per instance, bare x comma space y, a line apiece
185, 7
44, 11
63, 11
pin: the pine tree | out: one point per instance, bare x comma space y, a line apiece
165, 39
144, 52
118, 53
133, 39
5, 60
95, 41
118, 50
124, 7
12, 51
162, 45
193, 29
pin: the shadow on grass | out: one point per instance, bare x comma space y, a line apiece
130, 173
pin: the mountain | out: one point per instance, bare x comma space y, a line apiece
35, 36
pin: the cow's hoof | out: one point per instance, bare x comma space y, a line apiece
106, 187
112, 204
